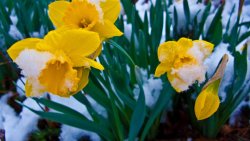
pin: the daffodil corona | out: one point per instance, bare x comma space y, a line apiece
97, 16
183, 62
59, 63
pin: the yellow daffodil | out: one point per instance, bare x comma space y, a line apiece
97, 16
207, 103
183, 62
59, 63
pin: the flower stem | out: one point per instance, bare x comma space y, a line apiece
117, 46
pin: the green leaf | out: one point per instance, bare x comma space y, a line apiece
186, 12
214, 33
95, 90
59, 107
240, 68
157, 25
175, 24
247, 24
204, 18
168, 26
73, 121
239, 91
118, 123
96, 117
117, 46
139, 113
243, 37
5, 20
143, 61
162, 102
226, 36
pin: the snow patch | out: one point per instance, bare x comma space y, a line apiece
69, 133
32, 62
20, 86
14, 124
72, 133
151, 87
212, 63
194, 9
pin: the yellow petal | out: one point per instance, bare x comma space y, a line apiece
53, 40
28, 88
58, 77
50, 42
97, 52
29, 43
91, 63
57, 11
185, 44
177, 83
167, 52
161, 69
111, 9
31, 90
107, 29
183, 60
79, 43
75, 43
81, 14
83, 75
208, 101
205, 47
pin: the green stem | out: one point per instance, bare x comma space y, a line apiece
117, 46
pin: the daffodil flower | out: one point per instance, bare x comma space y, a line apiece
183, 62
97, 16
208, 101
59, 63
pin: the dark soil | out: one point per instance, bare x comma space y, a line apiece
177, 128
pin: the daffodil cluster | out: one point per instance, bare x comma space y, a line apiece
60, 62
183, 61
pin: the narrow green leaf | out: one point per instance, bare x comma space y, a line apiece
118, 123
121, 50
139, 113
175, 24
73, 121
143, 50
94, 90
186, 12
240, 68
204, 18
214, 33
243, 37
168, 26
59, 107
226, 38
97, 117
247, 24
162, 102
